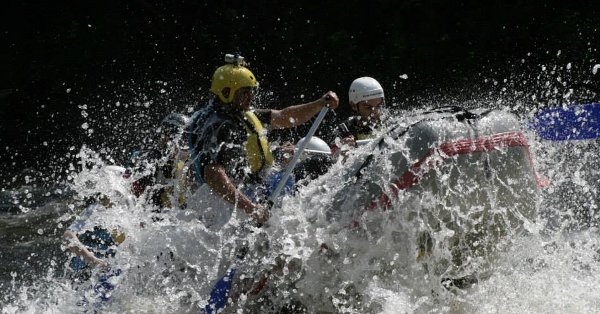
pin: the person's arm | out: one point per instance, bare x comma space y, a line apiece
217, 179
80, 250
296, 115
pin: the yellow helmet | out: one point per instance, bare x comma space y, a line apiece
233, 76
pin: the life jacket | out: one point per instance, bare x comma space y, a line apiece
258, 154
257, 146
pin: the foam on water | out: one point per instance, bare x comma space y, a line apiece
170, 265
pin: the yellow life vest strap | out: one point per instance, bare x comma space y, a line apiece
257, 145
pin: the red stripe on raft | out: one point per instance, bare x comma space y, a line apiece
436, 156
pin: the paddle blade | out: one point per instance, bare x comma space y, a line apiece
580, 122
219, 295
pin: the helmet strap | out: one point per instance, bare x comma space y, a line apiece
225, 92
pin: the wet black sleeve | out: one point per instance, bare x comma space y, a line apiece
264, 115
343, 129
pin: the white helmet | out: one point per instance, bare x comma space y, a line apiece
315, 146
364, 88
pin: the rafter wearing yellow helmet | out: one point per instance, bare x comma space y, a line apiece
228, 79
230, 153
228, 144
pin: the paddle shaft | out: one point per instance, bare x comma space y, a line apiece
297, 154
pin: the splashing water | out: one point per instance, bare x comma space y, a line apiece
425, 253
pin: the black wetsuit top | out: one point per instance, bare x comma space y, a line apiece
355, 126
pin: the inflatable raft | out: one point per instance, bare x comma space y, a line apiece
456, 186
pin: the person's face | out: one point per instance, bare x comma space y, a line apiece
244, 97
370, 109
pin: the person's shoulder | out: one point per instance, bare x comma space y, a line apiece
212, 119
348, 122
208, 112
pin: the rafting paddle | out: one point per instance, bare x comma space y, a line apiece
297, 155
220, 291
579, 122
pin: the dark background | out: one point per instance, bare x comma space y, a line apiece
120, 66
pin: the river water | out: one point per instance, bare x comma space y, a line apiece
169, 265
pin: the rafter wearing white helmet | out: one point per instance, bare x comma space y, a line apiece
363, 89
